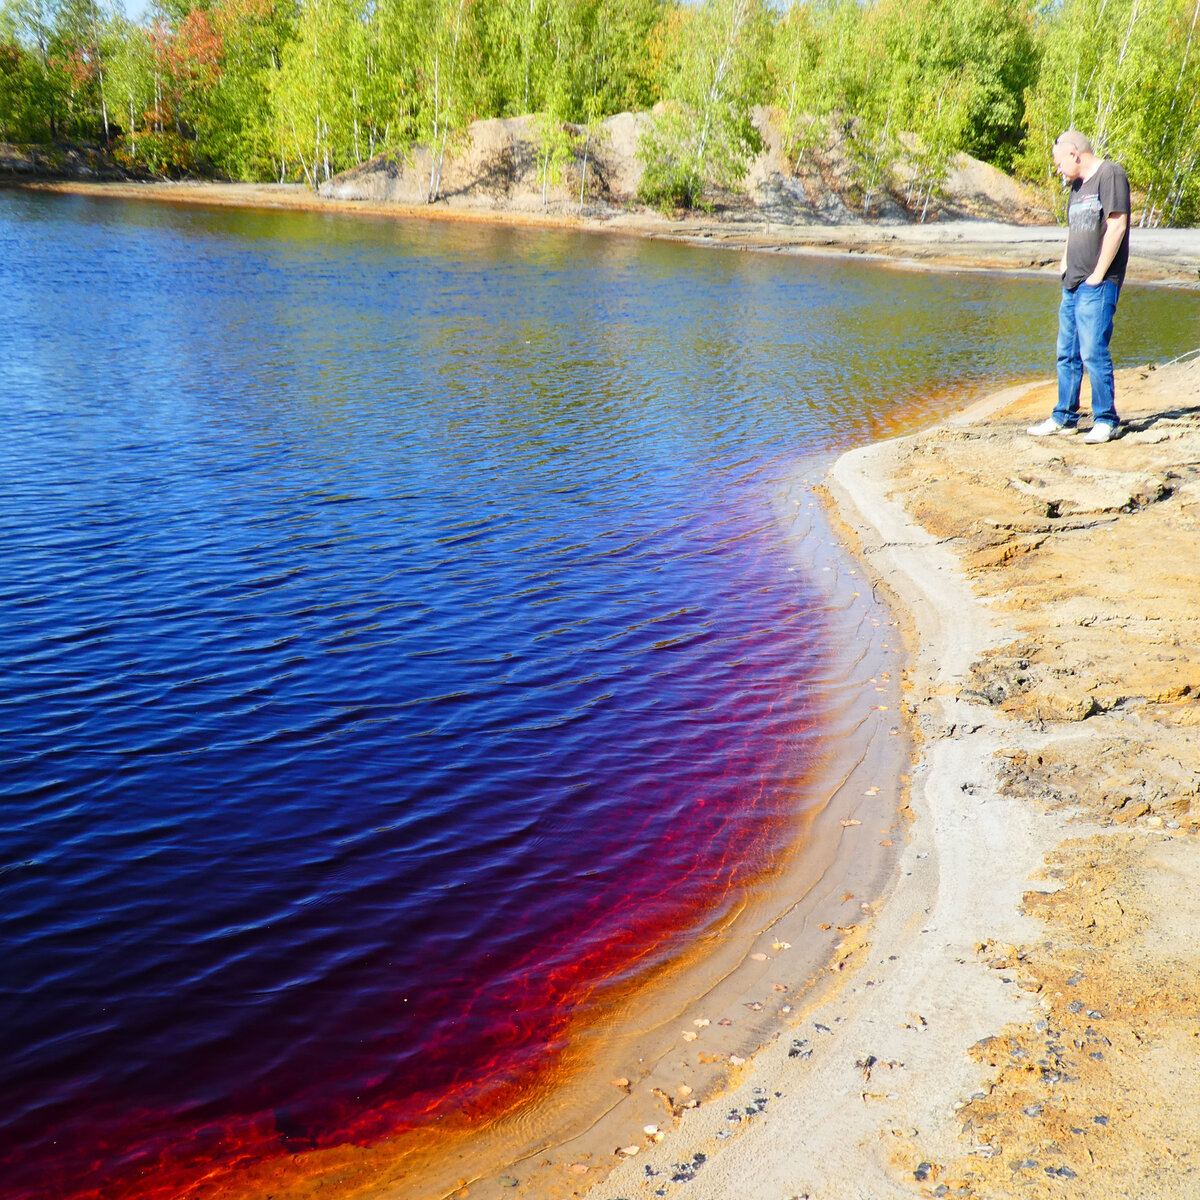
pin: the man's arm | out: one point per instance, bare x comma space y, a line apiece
1113, 233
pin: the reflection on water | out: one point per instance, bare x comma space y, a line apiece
399, 640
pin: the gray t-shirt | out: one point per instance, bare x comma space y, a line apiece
1088, 209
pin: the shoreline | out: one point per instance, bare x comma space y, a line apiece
1166, 257
1021, 1016
872, 1043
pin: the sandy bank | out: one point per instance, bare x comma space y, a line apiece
1021, 1018
1170, 256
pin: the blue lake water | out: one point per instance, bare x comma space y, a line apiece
381, 603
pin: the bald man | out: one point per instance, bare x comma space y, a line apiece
1092, 270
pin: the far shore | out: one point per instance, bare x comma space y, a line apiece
1160, 256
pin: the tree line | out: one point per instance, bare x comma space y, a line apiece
302, 89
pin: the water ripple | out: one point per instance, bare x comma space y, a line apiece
399, 636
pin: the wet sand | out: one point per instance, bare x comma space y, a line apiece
1170, 256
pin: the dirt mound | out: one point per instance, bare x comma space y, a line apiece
977, 189
498, 165
824, 186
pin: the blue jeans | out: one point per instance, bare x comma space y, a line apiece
1085, 325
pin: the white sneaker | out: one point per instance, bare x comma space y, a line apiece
1049, 426
1099, 433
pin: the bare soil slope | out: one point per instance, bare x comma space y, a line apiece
496, 166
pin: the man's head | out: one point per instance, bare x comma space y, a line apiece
1072, 155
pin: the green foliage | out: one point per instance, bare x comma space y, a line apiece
233, 120
128, 83
817, 69
670, 179
1126, 73
163, 153
587, 53
304, 88
949, 74
621, 65
556, 148
309, 103
26, 100
915, 81
982, 51
704, 136
42, 83
1163, 138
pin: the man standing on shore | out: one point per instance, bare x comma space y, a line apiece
1092, 270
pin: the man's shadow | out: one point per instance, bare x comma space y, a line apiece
1142, 424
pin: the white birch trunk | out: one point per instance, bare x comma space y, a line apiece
874, 175
300, 155
1102, 121
587, 141
1162, 145
436, 173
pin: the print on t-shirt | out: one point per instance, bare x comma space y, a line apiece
1085, 213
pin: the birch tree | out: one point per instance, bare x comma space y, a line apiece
1126, 73
30, 101
129, 84
309, 102
443, 52
818, 68
1088, 78
1158, 141
235, 126
705, 136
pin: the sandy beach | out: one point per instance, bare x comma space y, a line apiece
1019, 1018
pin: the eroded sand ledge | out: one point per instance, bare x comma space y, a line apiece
1023, 1016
